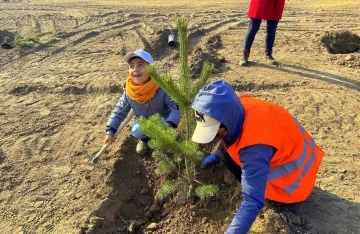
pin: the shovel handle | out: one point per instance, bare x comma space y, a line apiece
121, 127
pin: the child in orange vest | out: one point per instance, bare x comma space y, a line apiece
265, 148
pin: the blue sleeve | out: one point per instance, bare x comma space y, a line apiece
255, 170
174, 116
119, 113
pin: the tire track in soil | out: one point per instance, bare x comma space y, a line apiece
73, 39
36, 211
35, 226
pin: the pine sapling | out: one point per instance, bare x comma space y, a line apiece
174, 151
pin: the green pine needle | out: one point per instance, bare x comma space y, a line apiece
165, 166
30, 40
167, 188
207, 191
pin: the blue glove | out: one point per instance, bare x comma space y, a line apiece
209, 161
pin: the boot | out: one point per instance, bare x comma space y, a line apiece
142, 147
245, 58
269, 58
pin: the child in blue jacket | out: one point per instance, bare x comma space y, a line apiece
145, 97
262, 144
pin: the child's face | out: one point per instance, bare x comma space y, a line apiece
137, 71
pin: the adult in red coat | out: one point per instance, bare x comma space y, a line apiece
271, 11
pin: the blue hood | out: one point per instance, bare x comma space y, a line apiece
219, 101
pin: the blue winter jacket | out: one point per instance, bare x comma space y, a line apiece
161, 103
219, 101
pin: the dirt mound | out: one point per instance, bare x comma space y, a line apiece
132, 208
341, 42
349, 60
206, 52
159, 43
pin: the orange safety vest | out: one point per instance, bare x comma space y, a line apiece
294, 166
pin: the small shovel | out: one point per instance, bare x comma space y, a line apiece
121, 127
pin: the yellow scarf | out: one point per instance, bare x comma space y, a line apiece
141, 93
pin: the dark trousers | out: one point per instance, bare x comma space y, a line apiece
226, 159
254, 25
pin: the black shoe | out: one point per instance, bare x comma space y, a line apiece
269, 58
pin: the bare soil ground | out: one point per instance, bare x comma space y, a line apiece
55, 101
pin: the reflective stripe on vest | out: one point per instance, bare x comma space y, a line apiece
296, 164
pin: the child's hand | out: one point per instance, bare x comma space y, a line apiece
109, 139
